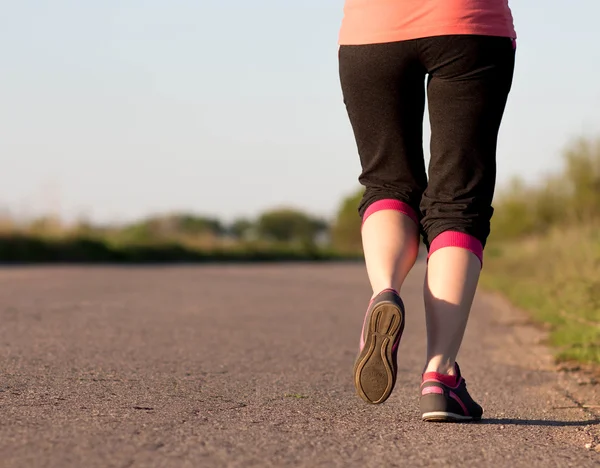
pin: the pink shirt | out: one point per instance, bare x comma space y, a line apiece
377, 21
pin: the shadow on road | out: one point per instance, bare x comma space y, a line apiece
539, 422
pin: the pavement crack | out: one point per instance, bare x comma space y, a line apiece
585, 407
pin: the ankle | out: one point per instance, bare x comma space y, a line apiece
443, 367
387, 288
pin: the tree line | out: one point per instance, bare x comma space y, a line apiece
569, 197
282, 225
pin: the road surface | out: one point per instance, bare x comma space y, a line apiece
251, 366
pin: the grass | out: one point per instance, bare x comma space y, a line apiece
556, 278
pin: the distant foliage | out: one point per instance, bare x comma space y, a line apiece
583, 179
569, 198
345, 232
173, 226
564, 199
290, 225
241, 229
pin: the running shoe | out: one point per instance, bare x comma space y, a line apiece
444, 398
376, 366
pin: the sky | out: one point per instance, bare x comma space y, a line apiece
119, 109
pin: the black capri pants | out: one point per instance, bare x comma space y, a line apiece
467, 79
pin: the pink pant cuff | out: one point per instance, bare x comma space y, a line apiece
457, 239
390, 204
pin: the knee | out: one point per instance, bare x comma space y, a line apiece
377, 199
370, 205
465, 225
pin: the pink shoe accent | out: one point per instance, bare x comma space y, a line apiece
459, 401
450, 381
390, 204
396, 344
457, 239
362, 333
428, 390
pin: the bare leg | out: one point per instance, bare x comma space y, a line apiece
450, 285
391, 245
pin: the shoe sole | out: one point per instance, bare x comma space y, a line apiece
443, 416
374, 373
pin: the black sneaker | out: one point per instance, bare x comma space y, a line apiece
376, 365
444, 398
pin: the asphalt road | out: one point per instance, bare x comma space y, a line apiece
251, 366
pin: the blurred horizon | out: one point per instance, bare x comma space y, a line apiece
122, 110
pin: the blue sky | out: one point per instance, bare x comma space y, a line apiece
122, 108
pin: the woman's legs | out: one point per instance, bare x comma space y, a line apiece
469, 81
384, 93
383, 88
